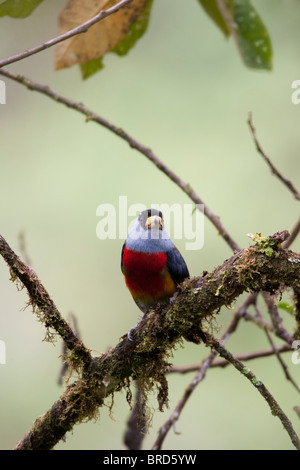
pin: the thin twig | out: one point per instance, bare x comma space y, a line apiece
293, 235
280, 331
274, 170
147, 152
258, 384
73, 32
282, 363
23, 247
276, 352
228, 19
241, 357
261, 322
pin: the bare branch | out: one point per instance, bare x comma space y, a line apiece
282, 363
294, 233
73, 32
260, 322
23, 247
147, 152
274, 170
227, 17
273, 310
249, 375
241, 357
280, 331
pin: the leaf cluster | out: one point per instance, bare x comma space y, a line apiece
118, 33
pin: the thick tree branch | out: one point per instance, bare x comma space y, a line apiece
197, 302
42, 303
83, 28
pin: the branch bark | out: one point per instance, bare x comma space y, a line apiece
144, 358
73, 32
41, 302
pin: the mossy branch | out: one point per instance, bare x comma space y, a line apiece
41, 302
144, 358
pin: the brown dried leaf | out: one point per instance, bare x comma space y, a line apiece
101, 37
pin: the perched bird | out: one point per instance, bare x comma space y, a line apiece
151, 264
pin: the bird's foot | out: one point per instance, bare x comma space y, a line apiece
173, 298
129, 334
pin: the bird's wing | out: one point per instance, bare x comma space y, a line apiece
177, 266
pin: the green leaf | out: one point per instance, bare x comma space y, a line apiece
240, 19
91, 67
17, 8
252, 36
286, 306
137, 29
264, 243
211, 8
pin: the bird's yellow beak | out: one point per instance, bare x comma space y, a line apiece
154, 222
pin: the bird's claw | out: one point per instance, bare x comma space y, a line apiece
129, 334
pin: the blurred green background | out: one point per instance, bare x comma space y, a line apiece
184, 92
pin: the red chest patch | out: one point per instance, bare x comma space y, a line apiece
147, 276
138, 263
